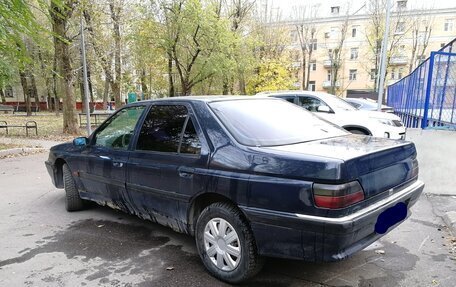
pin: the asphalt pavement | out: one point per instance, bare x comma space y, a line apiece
43, 245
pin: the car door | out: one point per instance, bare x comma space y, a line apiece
161, 169
104, 160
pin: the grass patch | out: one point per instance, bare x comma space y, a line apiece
7, 146
50, 126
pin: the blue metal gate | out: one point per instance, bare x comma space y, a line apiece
426, 97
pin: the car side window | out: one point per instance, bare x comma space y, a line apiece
310, 103
190, 141
118, 131
288, 99
162, 131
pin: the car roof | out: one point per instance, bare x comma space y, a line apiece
208, 98
292, 92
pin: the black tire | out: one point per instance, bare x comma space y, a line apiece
73, 201
250, 262
358, 132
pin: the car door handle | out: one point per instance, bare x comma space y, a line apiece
117, 163
186, 172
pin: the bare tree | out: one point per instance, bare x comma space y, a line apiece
399, 27
421, 29
60, 15
115, 8
306, 31
335, 52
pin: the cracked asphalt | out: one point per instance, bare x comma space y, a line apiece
43, 245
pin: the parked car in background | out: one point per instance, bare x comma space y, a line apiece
341, 113
248, 177
368, 105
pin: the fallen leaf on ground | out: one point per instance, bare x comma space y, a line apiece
380, 251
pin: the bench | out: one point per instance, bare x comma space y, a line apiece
33, 109
28, 125
6, 108
98, 117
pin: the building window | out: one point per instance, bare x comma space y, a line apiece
313, 65
373, 74
401, 4
335, 10
352, 75
354, 32
334, 32
393, 74
448, 26
9, 92
326, 35
313, 44
328, 76
399, 74
400, 28
353, 53
311, 86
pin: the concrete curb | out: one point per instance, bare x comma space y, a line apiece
13, 151
450, 220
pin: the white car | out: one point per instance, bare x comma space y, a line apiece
341, 113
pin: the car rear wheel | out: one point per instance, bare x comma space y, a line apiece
226, 244
73, 201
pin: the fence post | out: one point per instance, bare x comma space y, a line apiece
428, 91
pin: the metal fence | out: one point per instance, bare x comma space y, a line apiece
426, 97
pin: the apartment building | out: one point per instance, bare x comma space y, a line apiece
353, 24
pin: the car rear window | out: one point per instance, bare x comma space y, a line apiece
269, 122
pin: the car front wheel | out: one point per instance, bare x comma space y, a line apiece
73, 201
226, 244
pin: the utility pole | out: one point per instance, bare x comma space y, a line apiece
86, 83
383, 58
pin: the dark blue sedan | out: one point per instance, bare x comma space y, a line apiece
248, 177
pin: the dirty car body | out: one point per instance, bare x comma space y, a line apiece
306, 188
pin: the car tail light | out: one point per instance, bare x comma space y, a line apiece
337, 196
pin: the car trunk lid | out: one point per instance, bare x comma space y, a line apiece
378, 164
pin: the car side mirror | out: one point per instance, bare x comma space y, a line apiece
80, 141
323, 109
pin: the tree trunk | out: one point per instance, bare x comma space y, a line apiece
303, 81
89, 80
225, 90
170, 75
47, 80
25, 90
308, 69
55, 97
34, 91
115, 88
115, 11
2, 96
143, 85
241, 78
106, 93
60, 18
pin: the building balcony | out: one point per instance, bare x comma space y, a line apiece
327, 63
327, 84
399, 60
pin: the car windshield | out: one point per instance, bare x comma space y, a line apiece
270, 122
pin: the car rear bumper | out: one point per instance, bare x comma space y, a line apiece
315, 238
